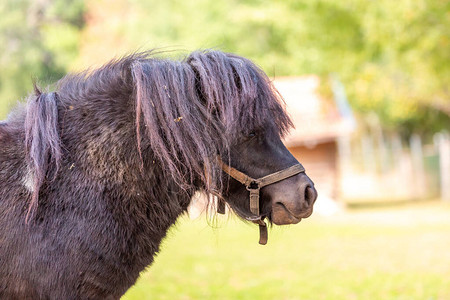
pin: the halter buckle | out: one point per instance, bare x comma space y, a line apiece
254, 188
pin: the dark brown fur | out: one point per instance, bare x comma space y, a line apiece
94, 174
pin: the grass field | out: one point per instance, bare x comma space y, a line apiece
400, 252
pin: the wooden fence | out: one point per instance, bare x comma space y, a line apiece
381, 167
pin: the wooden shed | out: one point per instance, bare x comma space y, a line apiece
318, 124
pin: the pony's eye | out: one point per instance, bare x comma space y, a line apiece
252, 134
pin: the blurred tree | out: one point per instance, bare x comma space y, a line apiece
405, 73
38, 39
393, 57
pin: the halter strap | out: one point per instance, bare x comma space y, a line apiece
254, 185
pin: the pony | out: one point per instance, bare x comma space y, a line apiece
94, 173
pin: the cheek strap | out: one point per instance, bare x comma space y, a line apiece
254, 186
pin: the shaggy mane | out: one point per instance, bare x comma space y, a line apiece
186, 112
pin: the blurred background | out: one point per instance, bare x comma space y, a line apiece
368, 86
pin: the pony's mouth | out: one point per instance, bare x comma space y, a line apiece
281, 215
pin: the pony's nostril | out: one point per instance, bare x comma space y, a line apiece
310, 195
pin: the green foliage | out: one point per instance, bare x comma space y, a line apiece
406, 69
38, 40
284, 37
392, 56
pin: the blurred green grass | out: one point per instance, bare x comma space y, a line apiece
379, 253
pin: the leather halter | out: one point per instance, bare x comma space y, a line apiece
253, 186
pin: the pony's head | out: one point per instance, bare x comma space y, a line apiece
254, 120
217, 105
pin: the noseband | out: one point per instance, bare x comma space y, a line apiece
253, 186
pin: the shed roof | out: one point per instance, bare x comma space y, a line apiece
316, 120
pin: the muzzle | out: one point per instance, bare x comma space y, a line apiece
254, 186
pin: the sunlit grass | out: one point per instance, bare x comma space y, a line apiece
390, 253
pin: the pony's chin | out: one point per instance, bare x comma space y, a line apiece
282, 216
